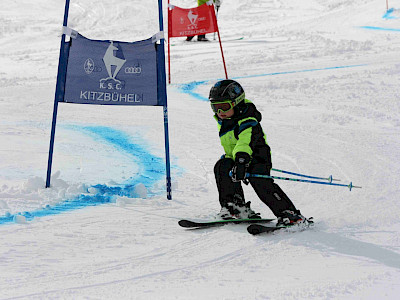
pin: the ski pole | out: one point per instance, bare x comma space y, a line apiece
330, 178
350, 186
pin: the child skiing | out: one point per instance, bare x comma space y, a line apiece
246, 151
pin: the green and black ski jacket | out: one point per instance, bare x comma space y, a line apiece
243, 133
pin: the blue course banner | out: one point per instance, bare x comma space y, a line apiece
111, 72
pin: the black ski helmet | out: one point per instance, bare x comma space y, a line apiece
227, 89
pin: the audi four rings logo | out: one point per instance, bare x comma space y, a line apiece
133, 70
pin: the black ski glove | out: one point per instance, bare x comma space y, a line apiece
242, 162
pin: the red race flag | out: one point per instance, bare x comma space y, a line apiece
191, 21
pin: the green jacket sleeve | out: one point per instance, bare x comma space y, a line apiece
245, 136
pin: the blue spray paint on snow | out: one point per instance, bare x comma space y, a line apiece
79, 202
390, 14
379, 28
300, 71
188, 88
151, 168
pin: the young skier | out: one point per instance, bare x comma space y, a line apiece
246, 151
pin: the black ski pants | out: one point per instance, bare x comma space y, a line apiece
268, 191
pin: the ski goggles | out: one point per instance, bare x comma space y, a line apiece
222, 107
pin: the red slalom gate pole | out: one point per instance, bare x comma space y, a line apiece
222, 52
219, 39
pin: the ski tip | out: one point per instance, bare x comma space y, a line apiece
185, 223
254, 230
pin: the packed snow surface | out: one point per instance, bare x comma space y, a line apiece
326, 76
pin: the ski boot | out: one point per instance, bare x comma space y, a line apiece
225, 214
290, 218
245, 212
202, 38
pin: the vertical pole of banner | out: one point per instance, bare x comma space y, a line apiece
169, 45
162, 62
216, 17
59, 93
220, 44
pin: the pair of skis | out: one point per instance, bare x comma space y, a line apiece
254, 228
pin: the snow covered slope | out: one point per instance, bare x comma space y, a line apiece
326, 76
